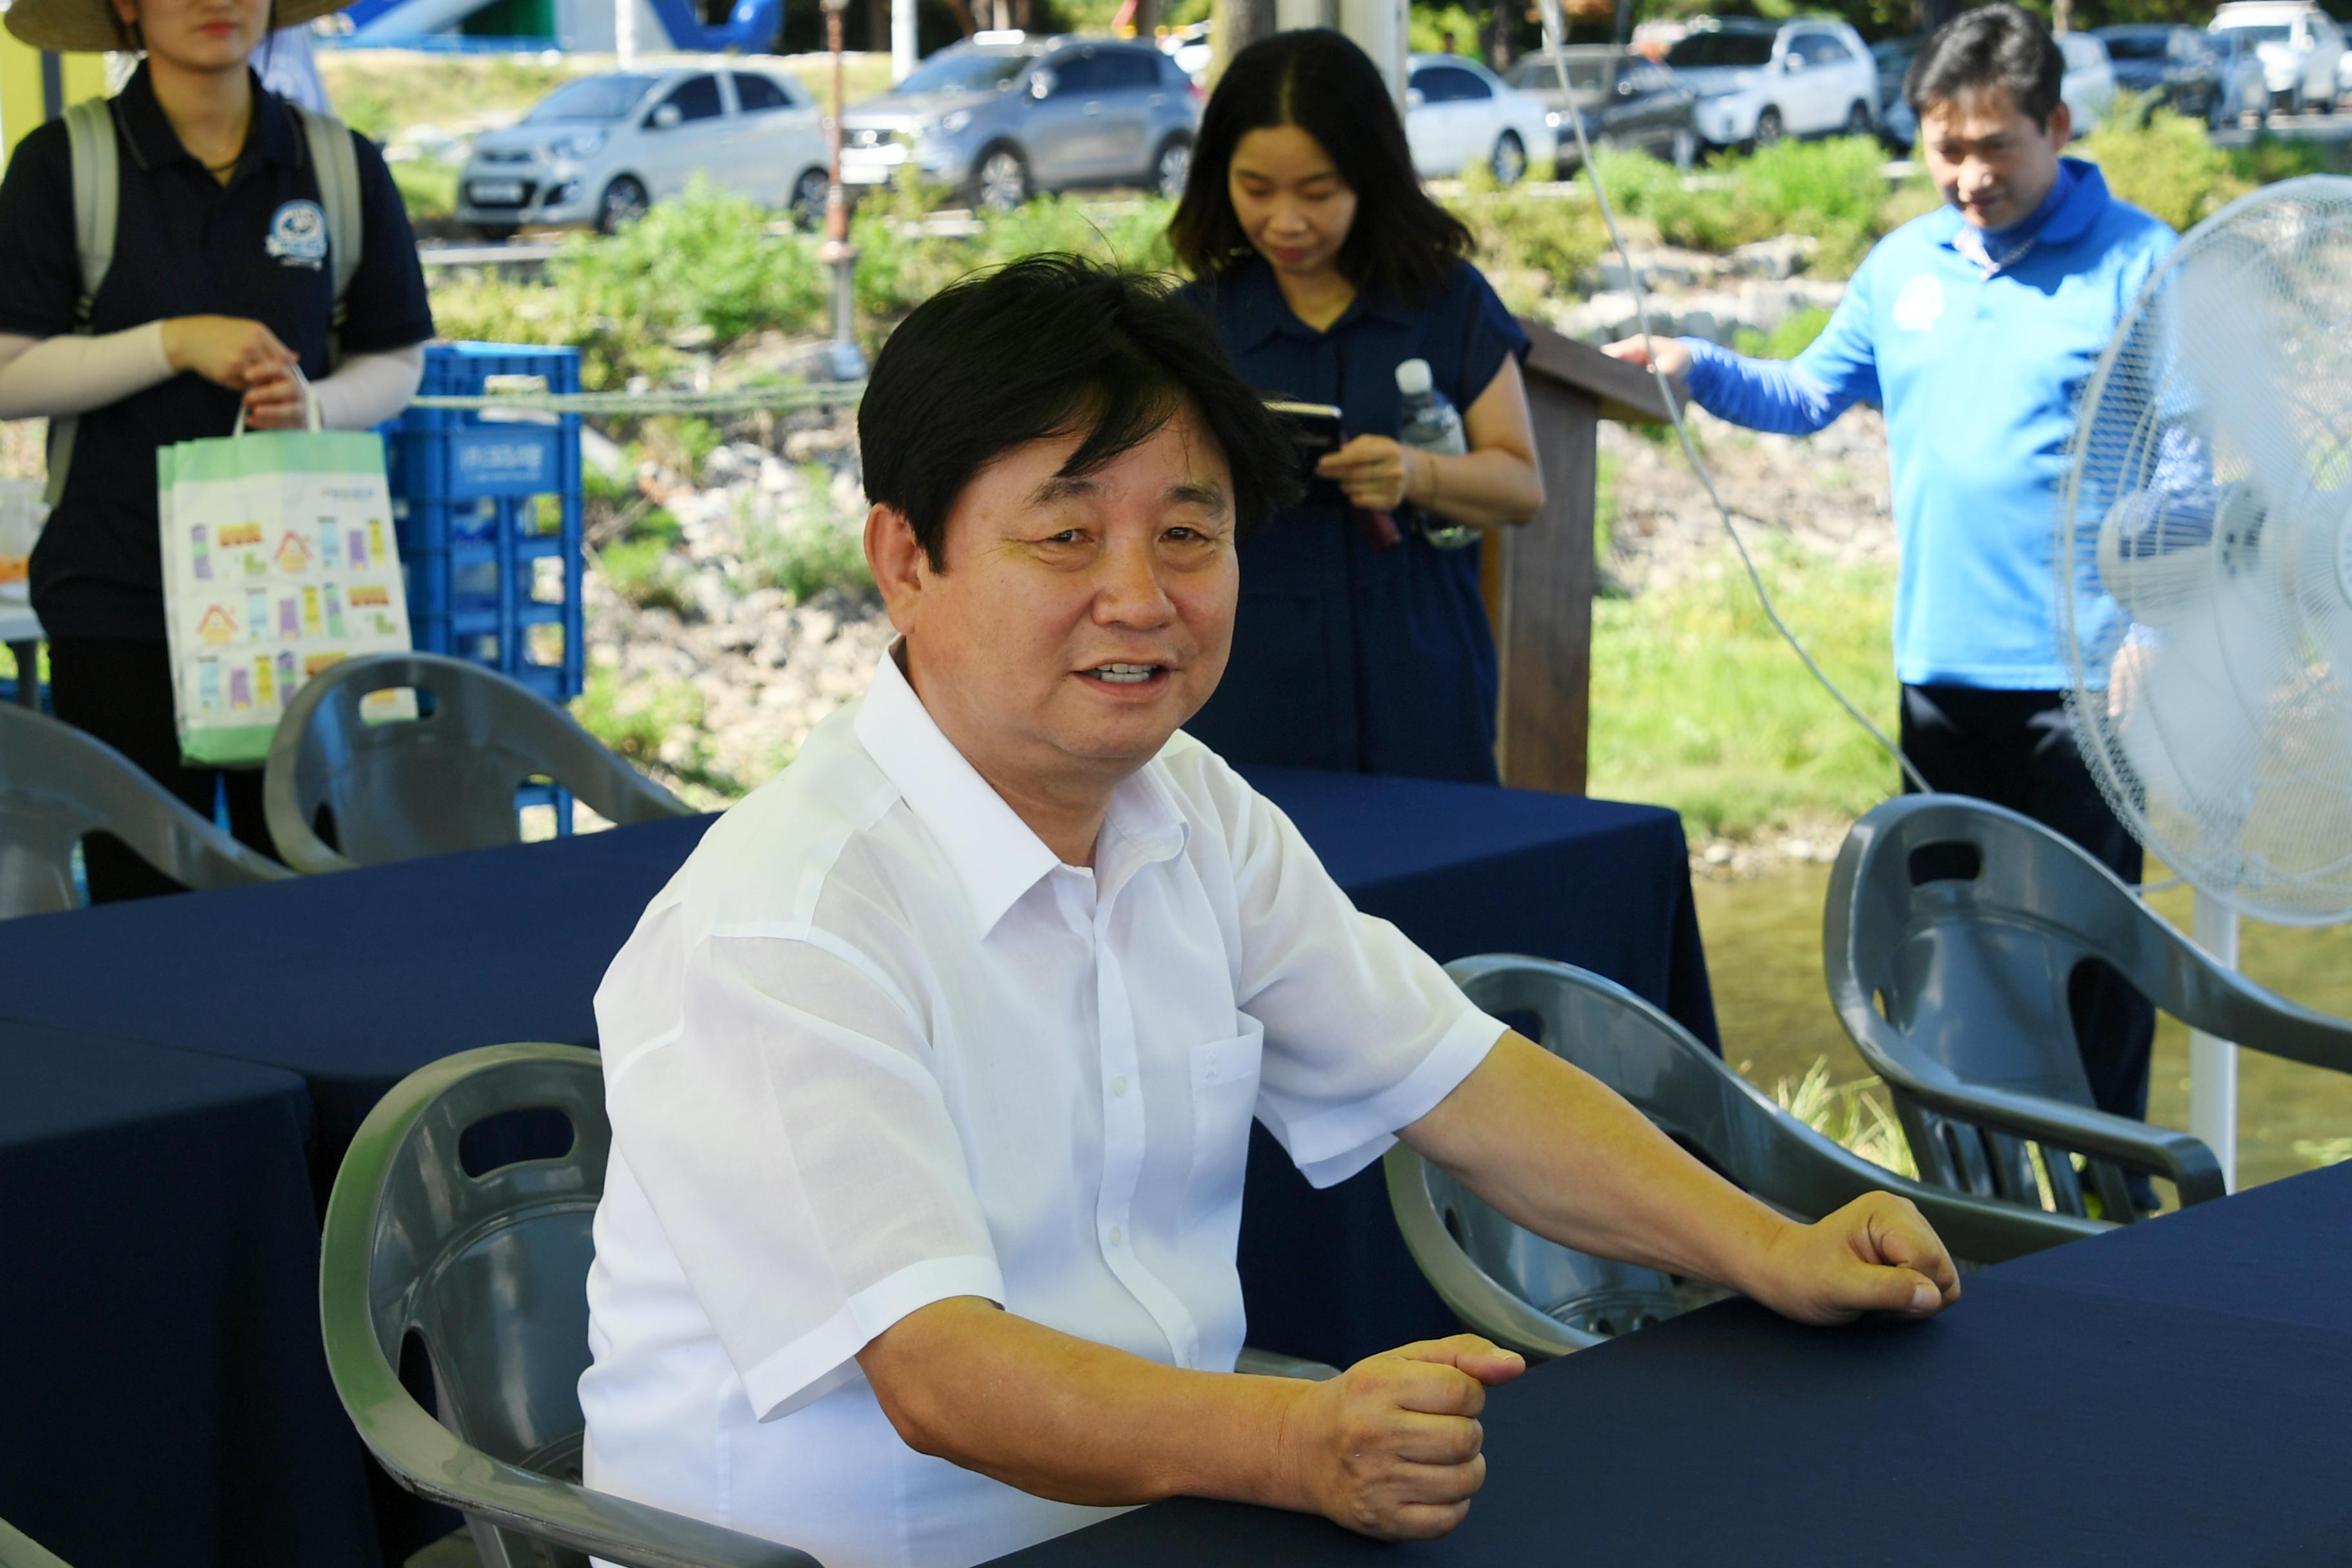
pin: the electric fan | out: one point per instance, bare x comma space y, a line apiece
2205, 579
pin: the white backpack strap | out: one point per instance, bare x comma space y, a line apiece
97, 201
337, 166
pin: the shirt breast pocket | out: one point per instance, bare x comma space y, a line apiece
1225, 1097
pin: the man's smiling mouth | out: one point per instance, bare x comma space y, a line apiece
1123, 674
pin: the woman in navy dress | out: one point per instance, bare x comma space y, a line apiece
1358, 646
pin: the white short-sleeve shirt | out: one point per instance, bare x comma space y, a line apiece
875, 1046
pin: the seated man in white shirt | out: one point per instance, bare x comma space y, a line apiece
931, 1072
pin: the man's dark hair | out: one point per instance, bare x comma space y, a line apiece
1402, 245
1994, 46
1048, 346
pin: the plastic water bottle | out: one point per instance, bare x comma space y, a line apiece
1431, 424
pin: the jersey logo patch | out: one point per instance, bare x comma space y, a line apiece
1920, 305
297, 235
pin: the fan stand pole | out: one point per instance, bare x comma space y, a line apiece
2213, 1063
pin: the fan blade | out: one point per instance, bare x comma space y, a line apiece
2193, 719
2228, 351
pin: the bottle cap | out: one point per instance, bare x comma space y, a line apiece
1413, 377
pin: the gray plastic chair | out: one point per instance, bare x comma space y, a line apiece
58, 784
1545, 1301
442, 782
1951, 931
489, 1271
18, 1549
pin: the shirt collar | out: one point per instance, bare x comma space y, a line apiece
996, 857
153, 142
2074, 204
1250, 309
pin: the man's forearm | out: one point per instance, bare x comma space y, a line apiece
1079, 1422
1557, 1152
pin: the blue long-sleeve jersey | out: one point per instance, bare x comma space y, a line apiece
1978, 369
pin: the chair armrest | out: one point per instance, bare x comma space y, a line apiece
1480, 1301
635, 1534
2176, 1156
1272, 1364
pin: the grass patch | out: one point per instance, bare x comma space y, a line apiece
1792, 337
1848, 1115
427, 186
646, 572
1835, 191
382, 92
1698, 705
657, 723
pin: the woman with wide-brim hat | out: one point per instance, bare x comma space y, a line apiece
220, 294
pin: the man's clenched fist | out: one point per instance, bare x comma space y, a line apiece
1390, 1446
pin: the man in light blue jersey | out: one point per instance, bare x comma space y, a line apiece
1975, 328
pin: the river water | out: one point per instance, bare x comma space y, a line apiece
1763, 939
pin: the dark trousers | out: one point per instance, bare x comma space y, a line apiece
119, 690
2017, 749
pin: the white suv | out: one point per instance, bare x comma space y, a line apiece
2300, 47
1758, 81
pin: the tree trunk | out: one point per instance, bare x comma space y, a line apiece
1235, 25
2062, 16
1147, 17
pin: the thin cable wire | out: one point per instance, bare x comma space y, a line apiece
1553, 34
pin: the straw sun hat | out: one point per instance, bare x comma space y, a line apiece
89, 25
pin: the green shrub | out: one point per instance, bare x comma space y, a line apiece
1792, 337
814, 549
1834, 191
1529, 245
645, 573
2164, 163
427, 186
900, 265
637, 717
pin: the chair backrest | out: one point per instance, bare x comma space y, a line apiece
1521, 1290
435, 1235
18, 1549
58, 784
441, 782
1952, 934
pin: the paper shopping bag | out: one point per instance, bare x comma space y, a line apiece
278, 560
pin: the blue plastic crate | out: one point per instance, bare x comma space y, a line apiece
467, 493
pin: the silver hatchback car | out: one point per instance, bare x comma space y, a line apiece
1002, 116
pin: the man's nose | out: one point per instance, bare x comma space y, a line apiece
1128, 588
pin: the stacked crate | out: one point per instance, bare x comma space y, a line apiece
481, 497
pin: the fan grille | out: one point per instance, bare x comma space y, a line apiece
2206, 581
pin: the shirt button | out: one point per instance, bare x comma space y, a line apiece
1118, 1085
1118, 1236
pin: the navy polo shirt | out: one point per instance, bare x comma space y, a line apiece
1344, 656
184, 246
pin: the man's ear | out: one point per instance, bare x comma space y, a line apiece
2061, 127
896, 558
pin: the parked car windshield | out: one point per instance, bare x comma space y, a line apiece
2135, 46
964, 73
1702, 50
605, 98
1537, 75
2267, 33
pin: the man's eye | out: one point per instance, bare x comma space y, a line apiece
1068, 536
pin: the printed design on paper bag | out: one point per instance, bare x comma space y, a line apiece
293, 552
201, 555
240, 688
318, 661
257, 613
208, 691
331, 541
297, 235
334, 610
264, 683
359, 550
218, 626
310, 612
289, 617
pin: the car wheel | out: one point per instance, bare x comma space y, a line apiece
1169, 169
495, 233
1858, 120
1510, 159
1767, 128
1003, 179
623, 203
809, 195
1685, 151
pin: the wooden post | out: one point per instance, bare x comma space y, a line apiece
1539, 579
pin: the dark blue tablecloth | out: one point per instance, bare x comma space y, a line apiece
163, 1395
353, 981
2171, 1394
